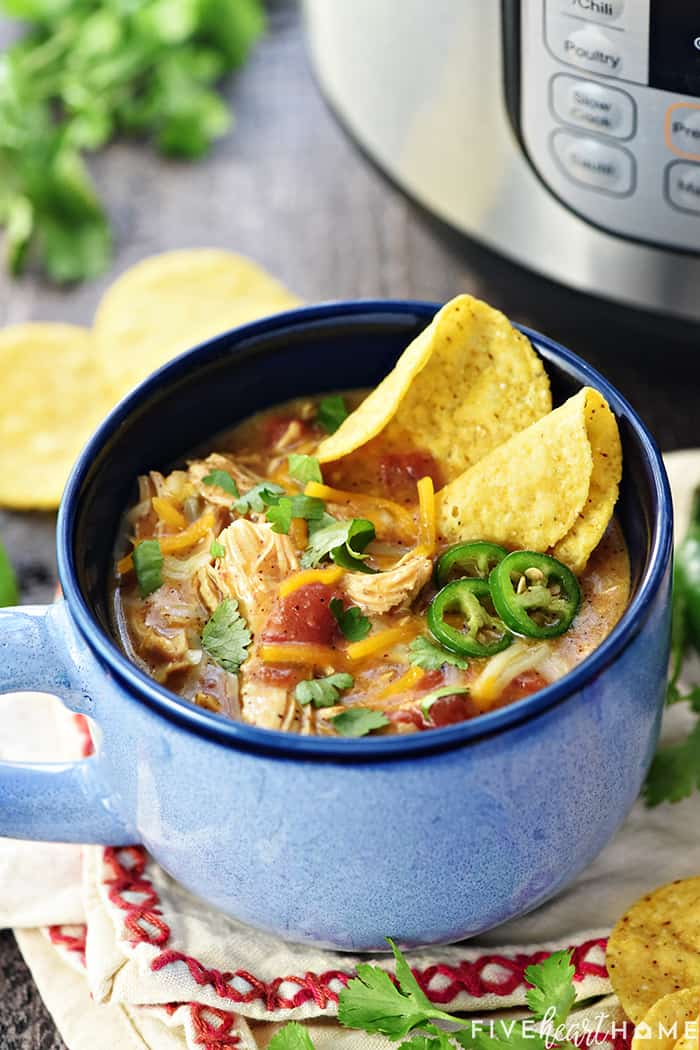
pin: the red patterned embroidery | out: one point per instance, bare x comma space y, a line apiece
215, 1028
494, 974
144, 922
71, 938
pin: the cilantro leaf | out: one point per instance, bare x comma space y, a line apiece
331, 412
264, 494
292, 1037
9, 594
437, 1041
371, 1001
223, 481
323, 692
217, 550
148, 564
226, 636
431, 657
552, 983
359, 721
304, 468
343, 541
280, 514
350, 554
675, 771
352, 623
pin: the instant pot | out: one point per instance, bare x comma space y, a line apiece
565, 134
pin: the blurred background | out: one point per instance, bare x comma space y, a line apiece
288, 186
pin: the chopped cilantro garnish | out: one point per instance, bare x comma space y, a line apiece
552, 986
223, 481
352, 623
359, 721
226, 636
148, 564
431, 657
292, 1037
217, 550
262, 495
304, 468
331, 413
343, 541
323, 692
280, 514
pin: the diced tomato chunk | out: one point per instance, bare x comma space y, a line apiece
399, 472
303, 616
408, 717
451, 709
526, 683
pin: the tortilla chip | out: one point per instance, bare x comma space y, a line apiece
461, 388
664, 1025
574, 549
52, 396
689, 1039
171, 302
655, 947
531, 492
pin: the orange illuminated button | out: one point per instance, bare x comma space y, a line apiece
683, 129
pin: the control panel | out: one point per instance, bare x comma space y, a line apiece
610, 112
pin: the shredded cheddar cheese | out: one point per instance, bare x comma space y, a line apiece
306, 653
382, 640
179, 541
403, 683
370, 507
307, 576
169, 514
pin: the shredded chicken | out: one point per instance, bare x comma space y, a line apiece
271, 704
210, 587
200, 468
393, 589
255, 563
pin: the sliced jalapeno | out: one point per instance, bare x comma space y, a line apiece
472, 560
483, 633
535, 595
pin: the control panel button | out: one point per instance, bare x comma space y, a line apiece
595, 106
586, 46
598, 165
602, 11
683, 186
683, 129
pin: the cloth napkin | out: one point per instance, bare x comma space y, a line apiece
124, 957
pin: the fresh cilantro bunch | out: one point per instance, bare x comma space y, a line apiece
86, 71
402, 1011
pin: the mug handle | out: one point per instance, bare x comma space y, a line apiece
52, 801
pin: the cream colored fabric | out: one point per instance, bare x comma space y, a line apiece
41, 884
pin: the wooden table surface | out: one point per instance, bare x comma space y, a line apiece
288, 188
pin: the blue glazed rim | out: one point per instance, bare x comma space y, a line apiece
238, 735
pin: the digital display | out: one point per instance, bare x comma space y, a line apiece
674, 46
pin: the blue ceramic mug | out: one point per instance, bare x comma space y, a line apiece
429, 837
